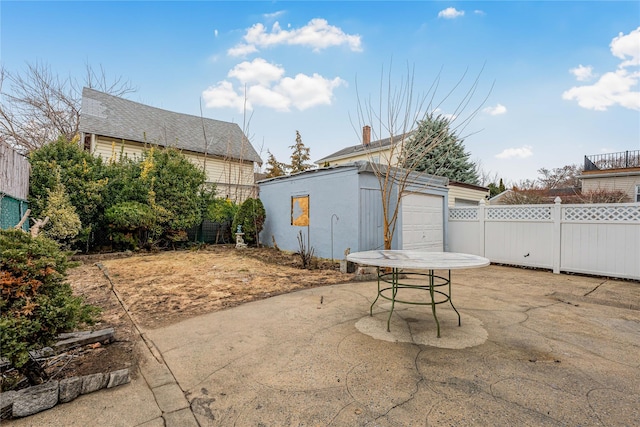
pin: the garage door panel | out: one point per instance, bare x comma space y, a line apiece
422, 222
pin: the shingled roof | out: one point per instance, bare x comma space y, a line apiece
361, 149
119, 118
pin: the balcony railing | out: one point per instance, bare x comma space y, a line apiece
621, 160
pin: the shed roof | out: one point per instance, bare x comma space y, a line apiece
115, 117
362, 166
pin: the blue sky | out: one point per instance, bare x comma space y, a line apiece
556, 80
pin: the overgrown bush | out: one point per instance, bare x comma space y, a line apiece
250, 216
175, 185
130, 224
172, 187
82, 175
36, 302
222, 212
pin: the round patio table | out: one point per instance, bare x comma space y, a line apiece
393, 265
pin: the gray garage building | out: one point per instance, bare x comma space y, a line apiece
338, 208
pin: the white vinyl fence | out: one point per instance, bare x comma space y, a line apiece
598, 239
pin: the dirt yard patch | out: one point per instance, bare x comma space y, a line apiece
167, 287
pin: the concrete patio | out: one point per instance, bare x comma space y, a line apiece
534, 349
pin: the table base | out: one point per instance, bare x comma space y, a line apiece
437, 296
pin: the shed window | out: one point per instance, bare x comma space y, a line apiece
638, 193
300, 210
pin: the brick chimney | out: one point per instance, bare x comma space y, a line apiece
366, 135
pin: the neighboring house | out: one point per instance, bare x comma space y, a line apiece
340, 207
535, 196
376, 152
462, 194
613, 172
499, 199
111, 126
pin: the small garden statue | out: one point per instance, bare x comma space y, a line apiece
240, 244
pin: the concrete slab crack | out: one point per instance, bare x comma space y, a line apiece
594, 289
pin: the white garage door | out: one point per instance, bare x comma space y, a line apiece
422, 222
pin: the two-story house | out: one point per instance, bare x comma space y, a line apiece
613, 172
111, 126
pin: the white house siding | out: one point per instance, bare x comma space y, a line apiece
233, 179
462, 196
626, 183
375, 156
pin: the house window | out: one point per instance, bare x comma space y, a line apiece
638, 193
87, 142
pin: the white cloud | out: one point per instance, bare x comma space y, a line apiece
256, 71
215, 33
317, 34
267, 97
613, 88
274, 15
518, 153
268, 87
241, 50
479, 12
625, 46
223, 95
309, 91
450, 13
496, 111
619, 87
582, 73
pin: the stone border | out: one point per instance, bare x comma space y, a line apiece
29, 401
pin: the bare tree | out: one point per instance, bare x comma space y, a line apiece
37, 105
566, 176
397, 113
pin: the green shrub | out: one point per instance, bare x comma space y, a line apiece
250, 216
36, 303
222, 212
82, 175
130, 224
64, 223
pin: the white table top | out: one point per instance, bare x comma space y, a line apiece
418, 259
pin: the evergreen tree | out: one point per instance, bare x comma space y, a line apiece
501, 187
274, 167
64, 222
435, 149
494, 189
300, 156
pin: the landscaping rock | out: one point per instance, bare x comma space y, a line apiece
35, 399
69, 389
6, 404
76, 339
117, 378
94, 382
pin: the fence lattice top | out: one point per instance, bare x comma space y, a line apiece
463, 214
601, 213
519, 213
628, 212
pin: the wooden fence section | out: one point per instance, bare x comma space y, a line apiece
14, 173
598, 239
